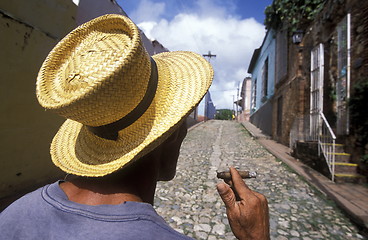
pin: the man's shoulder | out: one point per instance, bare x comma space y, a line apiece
24, 212
24, 204
47, 206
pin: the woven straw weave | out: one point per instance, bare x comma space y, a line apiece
98, 74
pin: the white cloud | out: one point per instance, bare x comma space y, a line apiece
211, 28
147, 28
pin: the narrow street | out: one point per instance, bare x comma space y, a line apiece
191, 205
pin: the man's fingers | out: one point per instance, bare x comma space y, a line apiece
239, 185
262, 198
227, 195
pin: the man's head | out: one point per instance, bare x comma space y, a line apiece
161, 160
170, 153
119, 102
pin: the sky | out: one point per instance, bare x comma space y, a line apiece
230, 29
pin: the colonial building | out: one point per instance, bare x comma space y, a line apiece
319, 70
333, 65
245, 99
262, 69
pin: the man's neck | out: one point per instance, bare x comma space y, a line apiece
98, 191
97, 195
135, 183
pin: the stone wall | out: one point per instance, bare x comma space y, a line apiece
323, 30
295, 88
307, 152
359, 70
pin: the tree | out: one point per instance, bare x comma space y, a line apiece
295, 14
224, 114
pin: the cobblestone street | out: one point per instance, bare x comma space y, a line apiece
191, 205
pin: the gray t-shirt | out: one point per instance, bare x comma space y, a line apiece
48, 214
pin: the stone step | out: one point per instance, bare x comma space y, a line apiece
347, 168
341, 157
339, 148
349, 178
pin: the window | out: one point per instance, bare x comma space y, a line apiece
279, 116
254, 95
316, 89
265, 80
343, 75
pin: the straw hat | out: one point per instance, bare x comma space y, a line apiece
119, 102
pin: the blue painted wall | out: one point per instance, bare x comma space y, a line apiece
267, 51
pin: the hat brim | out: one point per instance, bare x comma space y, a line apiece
183, 80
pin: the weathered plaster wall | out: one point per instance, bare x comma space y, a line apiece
261, 116
54, 18
29, 30
291, 90
267, 52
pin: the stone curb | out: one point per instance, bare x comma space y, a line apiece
314, 178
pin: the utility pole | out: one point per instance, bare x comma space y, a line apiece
209, 55
237, 102
233, 105
206, 107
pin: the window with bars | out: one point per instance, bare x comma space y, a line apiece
316, 89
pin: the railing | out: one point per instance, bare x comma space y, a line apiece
326, 143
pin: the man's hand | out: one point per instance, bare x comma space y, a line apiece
246, 210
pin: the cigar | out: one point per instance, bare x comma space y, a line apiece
243, 174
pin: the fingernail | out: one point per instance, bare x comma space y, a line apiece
221, 188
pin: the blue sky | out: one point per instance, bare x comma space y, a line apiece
241, 8
231, 29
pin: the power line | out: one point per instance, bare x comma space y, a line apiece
187, 12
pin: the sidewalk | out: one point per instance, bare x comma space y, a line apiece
351, 198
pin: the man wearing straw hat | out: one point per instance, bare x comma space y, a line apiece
125, 124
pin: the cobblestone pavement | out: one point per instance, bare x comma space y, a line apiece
191, 205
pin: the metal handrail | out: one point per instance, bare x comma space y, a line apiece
326, 143
328, 125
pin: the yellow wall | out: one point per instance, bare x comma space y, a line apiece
28, 31
54, 17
